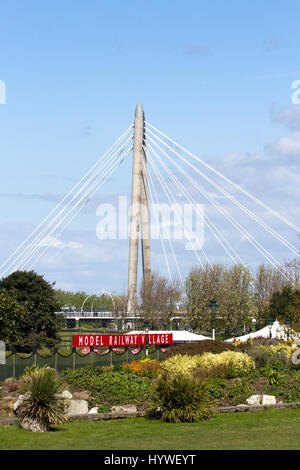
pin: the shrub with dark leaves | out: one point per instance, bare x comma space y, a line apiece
178, 399
200, 347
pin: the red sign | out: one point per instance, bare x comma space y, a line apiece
122, 340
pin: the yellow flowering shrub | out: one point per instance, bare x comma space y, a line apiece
180, 364
240, 363
278, 349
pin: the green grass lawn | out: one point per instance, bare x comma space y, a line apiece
270, 429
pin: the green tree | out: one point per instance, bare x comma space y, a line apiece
230, 287
236, 299
202, 285
12, 318
38, 295
285, 304
268, 280
158, 301
76, 299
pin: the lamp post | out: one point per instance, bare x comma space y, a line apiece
253, 324
146, 328
213, 308
288, 325
270, 323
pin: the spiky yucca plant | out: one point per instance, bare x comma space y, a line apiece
41, 402
180, 398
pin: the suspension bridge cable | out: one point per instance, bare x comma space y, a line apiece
83, 205
169, 239
65, 197
244, 232
176, 213
265, 206
236, 224
214, 230
36, 239
209, 222
36, 246
158, 225
234, 200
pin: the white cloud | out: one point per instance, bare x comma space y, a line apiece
288, 146
59, 244
289, 115
241, 157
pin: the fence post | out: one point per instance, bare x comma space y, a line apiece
92, 355
14, 352
55, 358
34, 357
74, 357
110, 356
157, 353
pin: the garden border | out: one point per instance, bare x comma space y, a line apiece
137, 414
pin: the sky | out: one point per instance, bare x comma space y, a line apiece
215, 76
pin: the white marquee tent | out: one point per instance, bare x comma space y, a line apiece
178, 336
277, 331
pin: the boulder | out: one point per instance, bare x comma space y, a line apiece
35, 424
242, 407
124, 409
254, 400
18, 404
65, 395
82, 395
94, 410
268, 400
76, 407
7, 407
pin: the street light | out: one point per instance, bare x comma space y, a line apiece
288, 325
270, 324
213, 308
146, 328
253, 324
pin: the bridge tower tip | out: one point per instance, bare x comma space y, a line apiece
139, 110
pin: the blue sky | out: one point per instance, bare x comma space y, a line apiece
214, 75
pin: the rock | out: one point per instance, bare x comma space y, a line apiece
65, 395
268, 400
242, 407
7, 407
94, 410
124, 409
35, 424
76, 407
18, 404
82, 395
254, 400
